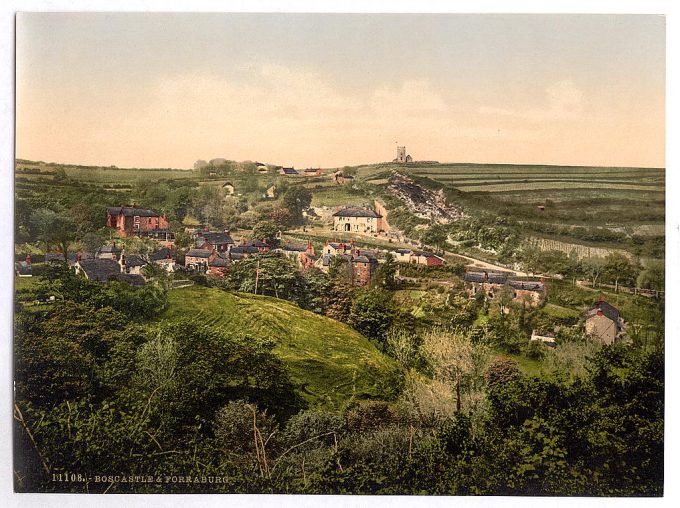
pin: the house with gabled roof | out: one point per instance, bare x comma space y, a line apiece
132, 263
288, 171
356, 219
603, 322
220, 241
130, 220
99, 269
530, 292
421, 257
197, 259
108, 252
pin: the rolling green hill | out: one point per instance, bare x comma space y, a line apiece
328, 361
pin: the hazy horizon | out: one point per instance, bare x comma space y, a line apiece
329, 90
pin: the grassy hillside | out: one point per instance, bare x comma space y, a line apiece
328, 361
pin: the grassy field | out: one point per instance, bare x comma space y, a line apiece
328, 361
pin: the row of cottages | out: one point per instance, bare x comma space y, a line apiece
214, 240
604, 323
215, 262
302, 254
143, 222
363, 263
531, 292
418, 257
356, 219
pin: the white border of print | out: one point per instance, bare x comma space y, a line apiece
7, 11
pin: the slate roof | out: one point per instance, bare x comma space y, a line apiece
364, 259
199, 253
255, 243
294, 247
163, 253
404, 251
493, 278
526, 285
216, 238
289, 171
132, 279
424, 254
219, 262
244, 249
107, 249
134, 260
128, 211
99, 269
356, 211
607, 309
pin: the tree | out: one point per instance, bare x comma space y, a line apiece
500, 371
618, 268
593, 268
372, 313
297, 199
53, 229
436, 235
265, 230
653, 276
386, 273
340, 268
504, 297
281, 217
453, 359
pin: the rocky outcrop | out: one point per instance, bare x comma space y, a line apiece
423, 202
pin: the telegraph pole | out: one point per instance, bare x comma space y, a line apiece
257, 275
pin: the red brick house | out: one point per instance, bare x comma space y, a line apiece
364, 266
420, 257
129, 220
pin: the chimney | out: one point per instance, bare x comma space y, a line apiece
310, 248
486, 275
79, 256
599, 312
326, 242
28, 259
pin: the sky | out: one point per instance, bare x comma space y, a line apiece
163, 90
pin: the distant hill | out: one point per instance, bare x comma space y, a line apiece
328, 361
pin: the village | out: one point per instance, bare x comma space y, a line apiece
214, 253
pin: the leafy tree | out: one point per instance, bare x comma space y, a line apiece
653, 276
281, 217
297, 199
266, 231
436, 235
385, 275
500, 371
594, 267
372, 313
340, 268
276, 276
618, 268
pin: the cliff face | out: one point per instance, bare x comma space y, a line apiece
423, 202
